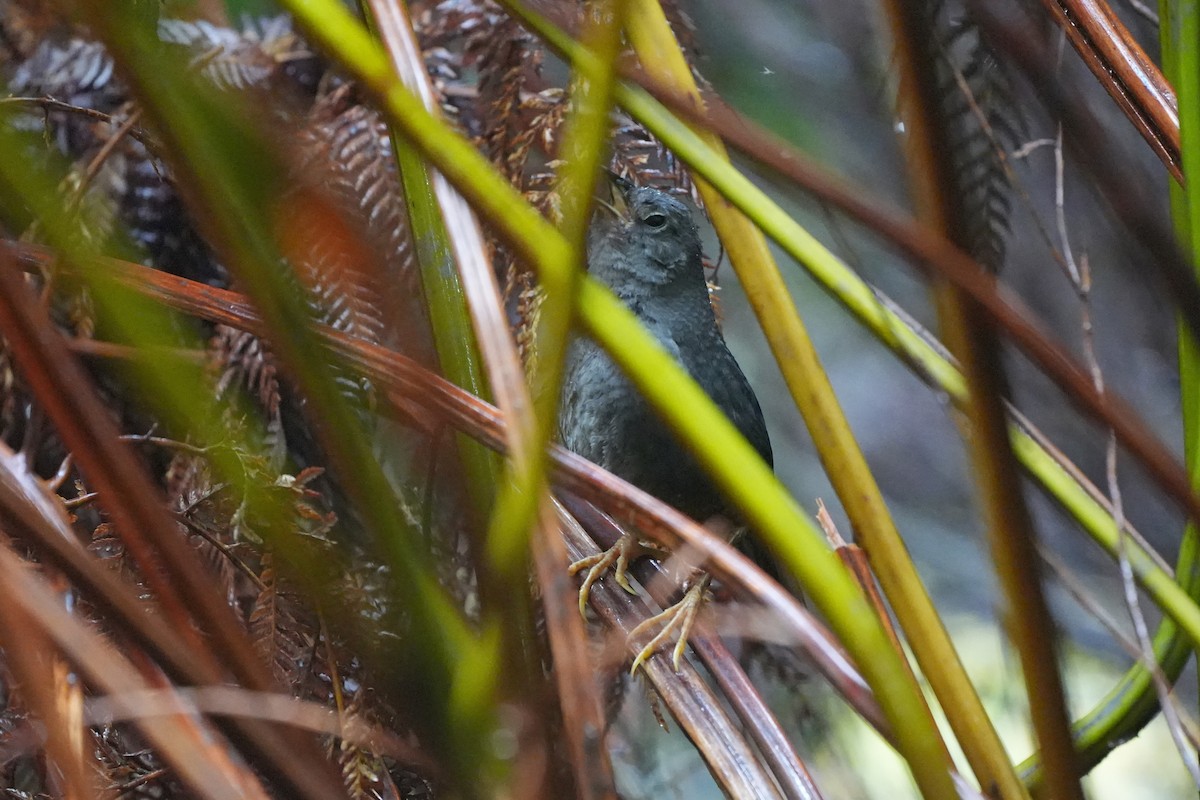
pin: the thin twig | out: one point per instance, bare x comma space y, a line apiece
1060, 219
52, 104
1081, 277
140, 781
203, 532
80, 501
162, 441
1027, 149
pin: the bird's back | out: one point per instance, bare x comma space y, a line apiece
606, 420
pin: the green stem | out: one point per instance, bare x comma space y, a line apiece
738, 469
893, 332
811, 391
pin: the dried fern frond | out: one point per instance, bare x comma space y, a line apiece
246, 366
982, 124
154, 216
122, 184
361, 278
77, 72
280, 638
641, 156
509, 67
253, 58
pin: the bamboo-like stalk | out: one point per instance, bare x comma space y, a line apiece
521, 498
1179, 34
893, 331
1134, 83
438, 253
835, 443
1010, 527
471, 335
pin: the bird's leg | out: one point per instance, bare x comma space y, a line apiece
682, 615
627, 548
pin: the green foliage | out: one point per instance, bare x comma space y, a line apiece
312, 395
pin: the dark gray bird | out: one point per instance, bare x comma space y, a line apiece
645, 247
647, 250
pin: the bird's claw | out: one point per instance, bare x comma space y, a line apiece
682, 615
627, 548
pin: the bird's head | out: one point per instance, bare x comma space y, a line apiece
642, 236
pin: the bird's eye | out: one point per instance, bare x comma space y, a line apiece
655, 220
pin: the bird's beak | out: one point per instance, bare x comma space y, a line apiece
616, 202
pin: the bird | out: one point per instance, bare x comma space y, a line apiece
645, 246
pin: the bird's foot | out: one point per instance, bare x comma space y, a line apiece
627, 548
682, 615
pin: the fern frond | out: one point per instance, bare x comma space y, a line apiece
982, 124
253, 58
277, 634
345, 146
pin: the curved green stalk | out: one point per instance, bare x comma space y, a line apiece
738, 469
583, 147
1131, 703
891, 330
454, 338
459, 358
1180, 32
485, 682
835, 442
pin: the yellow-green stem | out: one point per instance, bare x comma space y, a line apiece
1010, 527
759, 495
835, 443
